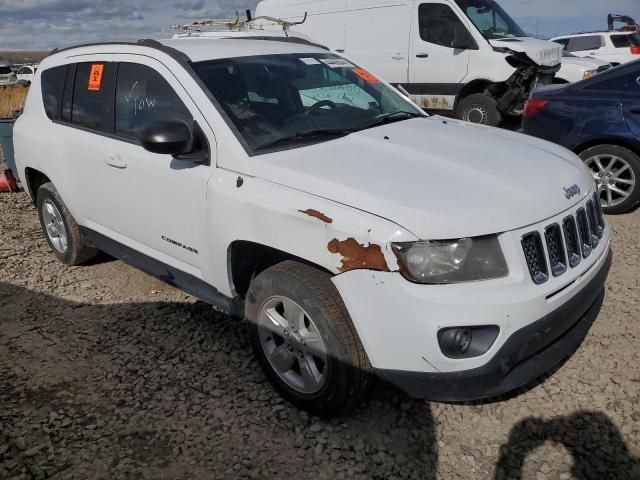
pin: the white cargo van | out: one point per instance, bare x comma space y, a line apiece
464, 56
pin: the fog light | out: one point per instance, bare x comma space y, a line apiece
467, 342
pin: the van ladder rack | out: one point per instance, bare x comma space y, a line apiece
257, 23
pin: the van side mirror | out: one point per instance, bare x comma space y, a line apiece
167, 137
462, 40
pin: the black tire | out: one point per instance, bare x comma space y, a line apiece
479, 108
348, 369
633, 160
76, 252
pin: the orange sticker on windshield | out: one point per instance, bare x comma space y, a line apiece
95, 78
366, 76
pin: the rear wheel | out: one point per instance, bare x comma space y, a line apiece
304, 339
60, 229
479, 108
617, 172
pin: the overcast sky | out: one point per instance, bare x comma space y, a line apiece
35, 24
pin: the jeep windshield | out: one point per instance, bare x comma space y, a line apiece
489, 17
289, 100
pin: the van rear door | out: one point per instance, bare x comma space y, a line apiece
378, 38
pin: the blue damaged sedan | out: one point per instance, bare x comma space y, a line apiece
599, 119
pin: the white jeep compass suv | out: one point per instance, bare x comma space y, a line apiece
288, 186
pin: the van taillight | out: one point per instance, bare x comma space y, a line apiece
533, 106
635, 50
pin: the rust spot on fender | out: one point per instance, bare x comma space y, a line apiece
356, 256
316, 214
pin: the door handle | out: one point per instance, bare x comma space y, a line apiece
422, 55
398, 57
116, 162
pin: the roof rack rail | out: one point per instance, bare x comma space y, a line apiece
144, 42
250, 23
300, 40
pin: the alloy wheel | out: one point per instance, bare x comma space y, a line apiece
293, 345
614, 176
54, 226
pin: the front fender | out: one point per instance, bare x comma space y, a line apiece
336, 237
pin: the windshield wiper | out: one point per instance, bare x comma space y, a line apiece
328, 132
388, 118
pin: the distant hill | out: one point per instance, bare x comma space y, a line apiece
23, 56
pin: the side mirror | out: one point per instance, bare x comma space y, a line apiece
462, 40
167, 137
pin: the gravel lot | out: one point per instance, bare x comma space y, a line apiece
108, 373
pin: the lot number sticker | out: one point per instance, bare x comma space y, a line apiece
310, 61
336, 63
366, 76
95, 78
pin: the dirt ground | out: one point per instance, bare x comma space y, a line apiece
106, 373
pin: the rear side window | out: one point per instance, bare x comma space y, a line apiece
144, 97
624, 41
52, 86
591, 42
93, 96
438, 24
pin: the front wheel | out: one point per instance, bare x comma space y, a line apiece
479, 108
616, 171
304, 339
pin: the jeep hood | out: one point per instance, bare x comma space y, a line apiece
542, 52
436, 177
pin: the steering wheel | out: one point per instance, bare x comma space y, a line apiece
320, 104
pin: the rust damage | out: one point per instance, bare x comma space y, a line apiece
356, 256
316, 214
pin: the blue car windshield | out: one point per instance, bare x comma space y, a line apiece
489, 17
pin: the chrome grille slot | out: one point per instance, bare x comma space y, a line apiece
583, 232
572, 241
563, 245
593, 225
534, 253
599, 215
555, 247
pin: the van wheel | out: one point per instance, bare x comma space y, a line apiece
479, 108
304, 339
617, 173
60, 229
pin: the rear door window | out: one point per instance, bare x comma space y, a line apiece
92, 105
624, 41
52, 87
591, 42
144, 97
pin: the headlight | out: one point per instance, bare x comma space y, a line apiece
589, 74
451, 261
